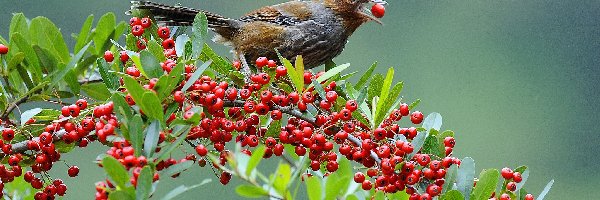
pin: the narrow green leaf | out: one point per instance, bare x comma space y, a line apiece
109, 78
274, 129
182, 188
97, 91
525, 176
365, 77
375, 86
119, 195
546, 190
257, 156
181, 134
220, 65
148, 101
33, 63
82, 38
178, 168
450, 178
393, 101
414, 104
200, 30
319, 89
251, 191
121, 108
452, 195
144, 184
299, 65
488, 179
195, 76
135, 133
330, 73
167, 83
150, 65
62, 72
115, 171
104, 29
296, 78
156, 50
282, 178
383, 95
464, 180
47, 115
152, 132
313, 187
431, 146
73, 81
48, 60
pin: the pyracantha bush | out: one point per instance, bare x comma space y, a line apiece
164, 90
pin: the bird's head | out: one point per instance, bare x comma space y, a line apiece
358, 8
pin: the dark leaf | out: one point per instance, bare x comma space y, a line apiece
152, 133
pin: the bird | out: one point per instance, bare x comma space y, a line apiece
318, 30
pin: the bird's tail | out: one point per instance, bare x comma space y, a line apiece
177, 15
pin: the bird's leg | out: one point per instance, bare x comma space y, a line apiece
245, 67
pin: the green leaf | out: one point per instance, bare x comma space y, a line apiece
433, 121
96, 91
546, 190
181, 133
19, 24
167, 83
282, 178
251, 191
33, 63
180, 43
319, 89
200, 30
466, 173
220, 65
25, 116
379, 195
152, 132
115, 171
375, 86
48, 60
257, 156
382, 107
393, 101
297, 79
414, 104
418, 142
121, 108
450, 178
431, 146
144, 184
313, 187
196, 75
119, 195
135, 133
47, 115
525, 176
63, 70
156, 50
299, 65
73, 82
45, 34
82, 38
274, 129
488, 179
443, 136
365, 77
15, 64
150, 65
452, 195
182, 188
109, 78
104, 30
178, 168
148, 101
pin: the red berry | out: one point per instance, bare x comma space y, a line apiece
261, 62
146, 22
331, 96
201, 150
179, 96
73, 171
529, 197
507, 173
108, 56
378, 10
135, 21
449, 142
504, 197
3, 49
168, 43
81, 104
359, 177
137, 30
517, 177
367, 185
416, 117
511, 186
123, 56
8, 134
271, 64
225, 178
164, 32
332, 166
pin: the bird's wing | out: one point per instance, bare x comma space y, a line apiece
286, 14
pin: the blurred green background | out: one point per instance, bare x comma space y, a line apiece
516, 80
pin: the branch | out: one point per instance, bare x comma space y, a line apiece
290, 111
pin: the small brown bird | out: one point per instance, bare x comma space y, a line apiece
318, 29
